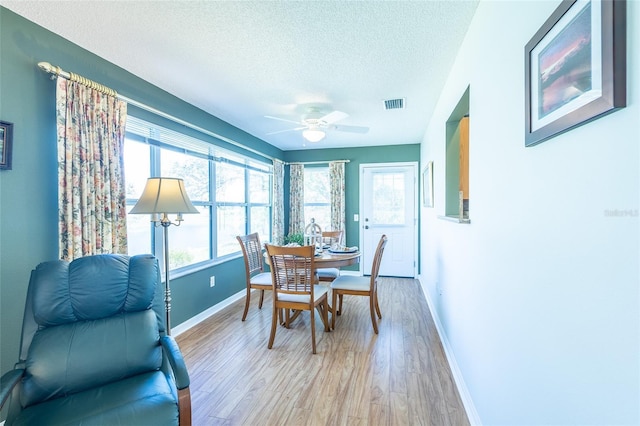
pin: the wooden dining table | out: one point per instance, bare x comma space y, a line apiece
327, 259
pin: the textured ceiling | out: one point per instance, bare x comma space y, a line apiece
243, 60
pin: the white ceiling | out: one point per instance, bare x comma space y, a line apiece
242, 60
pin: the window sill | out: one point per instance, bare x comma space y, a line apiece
455, 219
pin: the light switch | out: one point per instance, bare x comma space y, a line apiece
356, 217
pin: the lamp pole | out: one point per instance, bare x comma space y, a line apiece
160, 197
166, 223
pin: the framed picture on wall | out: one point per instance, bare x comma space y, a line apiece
6, 141
427, 185
575, 67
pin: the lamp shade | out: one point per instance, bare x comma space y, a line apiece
313, 135
164, 195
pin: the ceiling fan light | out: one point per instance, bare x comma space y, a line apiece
313, 135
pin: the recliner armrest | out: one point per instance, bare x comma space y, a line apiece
8, 381
176, 361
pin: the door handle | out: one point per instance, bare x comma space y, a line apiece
366, 227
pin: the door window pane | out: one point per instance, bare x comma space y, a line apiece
388, 197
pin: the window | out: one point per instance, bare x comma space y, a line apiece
317, 196
231, 192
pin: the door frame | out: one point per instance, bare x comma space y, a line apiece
416, 199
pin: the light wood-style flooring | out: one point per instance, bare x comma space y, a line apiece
399, 377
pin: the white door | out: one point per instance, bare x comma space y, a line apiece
388, 205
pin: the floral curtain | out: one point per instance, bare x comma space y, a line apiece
336, 183
296, 199
91, 192
277, 219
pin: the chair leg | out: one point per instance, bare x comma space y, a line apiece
372, 307
261, 299
340, 307
377, 305
334, 309
247, 302
313, 331
324, 315
274, 325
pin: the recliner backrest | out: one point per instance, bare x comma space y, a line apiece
97, 321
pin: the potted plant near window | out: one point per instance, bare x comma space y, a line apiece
294, 238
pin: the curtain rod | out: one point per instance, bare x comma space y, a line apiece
318, 162
47, 67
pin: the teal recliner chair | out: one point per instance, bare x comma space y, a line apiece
94, 349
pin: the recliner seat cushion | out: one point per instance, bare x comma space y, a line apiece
145, 399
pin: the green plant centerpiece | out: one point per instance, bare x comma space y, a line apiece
294, 238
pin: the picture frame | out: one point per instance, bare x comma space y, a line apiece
427, 185
575, 68
6, 144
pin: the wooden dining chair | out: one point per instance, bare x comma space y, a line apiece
360, 286
256, 277
295, 288
330, 238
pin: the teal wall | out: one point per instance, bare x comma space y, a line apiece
28, 193
356, 157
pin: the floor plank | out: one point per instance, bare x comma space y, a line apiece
398, 377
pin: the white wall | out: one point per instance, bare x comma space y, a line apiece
539, 296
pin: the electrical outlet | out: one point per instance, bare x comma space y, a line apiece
212, 281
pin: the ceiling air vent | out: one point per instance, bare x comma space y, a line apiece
394, 103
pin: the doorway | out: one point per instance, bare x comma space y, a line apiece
388, 205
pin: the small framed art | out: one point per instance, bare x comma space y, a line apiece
427, 185
6, 141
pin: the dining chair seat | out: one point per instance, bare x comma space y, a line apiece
263, 278
318, 292
352, 282
328, 274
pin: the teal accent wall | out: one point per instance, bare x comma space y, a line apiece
28, 193
356, 157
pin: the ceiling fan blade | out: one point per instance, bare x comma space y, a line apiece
282, 119
334, 116
287, 130
351, 129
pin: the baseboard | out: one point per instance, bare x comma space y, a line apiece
469, 406
191, 322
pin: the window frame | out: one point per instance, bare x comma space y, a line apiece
159, 138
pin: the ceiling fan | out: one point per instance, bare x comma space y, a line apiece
314, 124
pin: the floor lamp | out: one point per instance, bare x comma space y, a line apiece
161, 197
